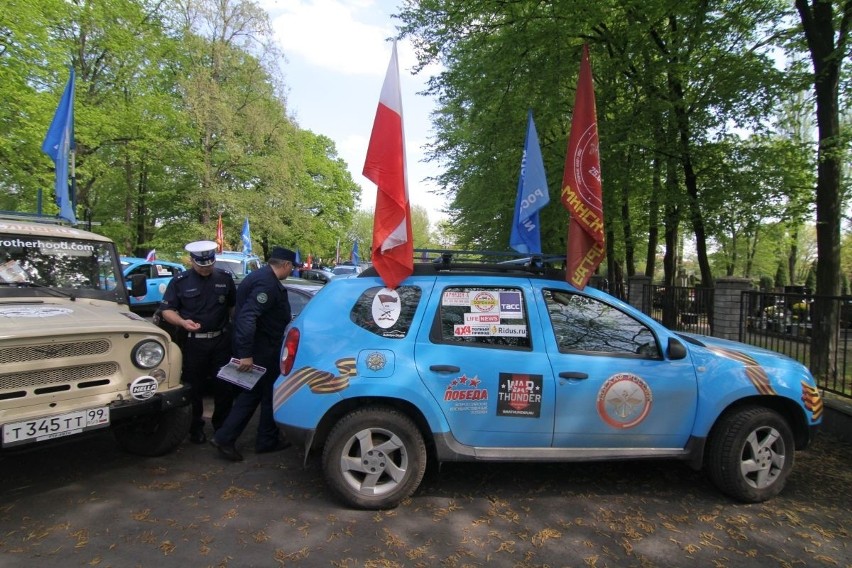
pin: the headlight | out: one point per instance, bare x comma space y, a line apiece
148, 354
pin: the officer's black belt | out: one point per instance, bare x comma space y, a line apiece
205, 335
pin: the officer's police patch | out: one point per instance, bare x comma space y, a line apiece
261, 298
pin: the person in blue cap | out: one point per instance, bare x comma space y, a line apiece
201, 302
261, 316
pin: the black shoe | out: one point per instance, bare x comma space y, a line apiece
227, 452
198, 437
281, 445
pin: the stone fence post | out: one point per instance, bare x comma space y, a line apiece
635, 288
727, 299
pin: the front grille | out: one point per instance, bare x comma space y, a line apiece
47, 351
42, 377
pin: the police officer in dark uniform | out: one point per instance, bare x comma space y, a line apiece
201, 301
262, 314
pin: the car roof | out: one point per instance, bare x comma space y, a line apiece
47, 229
138, 260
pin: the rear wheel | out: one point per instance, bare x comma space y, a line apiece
750, 454
155, 434
374, 458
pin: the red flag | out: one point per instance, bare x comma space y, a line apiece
581, 184
220, 236
393, 250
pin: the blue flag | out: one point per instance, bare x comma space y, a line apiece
355, 258
246, 237
58, 144
532, 196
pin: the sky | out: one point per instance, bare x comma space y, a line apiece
337, 54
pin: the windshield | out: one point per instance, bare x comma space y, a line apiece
35, 265
235, 267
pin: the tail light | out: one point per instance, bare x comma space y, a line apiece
288, 352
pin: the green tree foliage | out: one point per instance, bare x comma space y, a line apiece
180, 117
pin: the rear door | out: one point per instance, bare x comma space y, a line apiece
481, 355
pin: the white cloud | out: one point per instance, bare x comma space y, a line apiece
337, 55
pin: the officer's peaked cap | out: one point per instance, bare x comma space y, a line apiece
203, 253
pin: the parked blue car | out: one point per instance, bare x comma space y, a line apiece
158, 272
504, 363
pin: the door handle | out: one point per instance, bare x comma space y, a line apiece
444, 368
573, 375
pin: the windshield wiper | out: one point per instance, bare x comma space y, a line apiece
54, 291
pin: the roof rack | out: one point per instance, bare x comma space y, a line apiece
33, 217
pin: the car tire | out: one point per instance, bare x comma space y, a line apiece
750, 454
374, 458
154, 434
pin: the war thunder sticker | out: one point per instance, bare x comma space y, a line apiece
624, 401
465, 395
519, 395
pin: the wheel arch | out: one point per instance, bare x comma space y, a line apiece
788, 409
336, 412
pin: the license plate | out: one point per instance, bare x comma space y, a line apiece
50, 427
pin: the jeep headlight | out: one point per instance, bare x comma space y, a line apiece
148, 354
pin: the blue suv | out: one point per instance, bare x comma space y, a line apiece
511, 363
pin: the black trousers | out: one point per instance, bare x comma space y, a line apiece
202, 359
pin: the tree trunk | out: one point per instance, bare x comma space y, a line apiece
818, 26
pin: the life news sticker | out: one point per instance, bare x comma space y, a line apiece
471, 319
386, 308
484, 301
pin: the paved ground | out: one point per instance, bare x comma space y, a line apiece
88, 504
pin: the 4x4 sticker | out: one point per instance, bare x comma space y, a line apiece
519, 395
320, 382
386, 308
624, 401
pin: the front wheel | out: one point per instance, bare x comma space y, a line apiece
374, 458
750, 454
155, 434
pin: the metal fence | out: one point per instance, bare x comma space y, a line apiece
782, 322
680, 308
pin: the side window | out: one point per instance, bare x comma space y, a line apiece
481, 316
583, 324
141, 269
387, 313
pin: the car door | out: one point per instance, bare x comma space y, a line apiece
615, 388
161, 275
481, 355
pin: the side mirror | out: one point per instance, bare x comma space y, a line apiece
676, 349
138, 285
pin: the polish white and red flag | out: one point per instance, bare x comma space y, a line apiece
393, 249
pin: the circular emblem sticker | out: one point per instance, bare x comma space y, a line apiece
34, 312
483, 302
624, 401
143, 388
376, 361
261, 298
386, 308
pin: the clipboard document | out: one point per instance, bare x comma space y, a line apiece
245, 379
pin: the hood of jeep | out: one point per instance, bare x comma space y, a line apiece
60, 316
